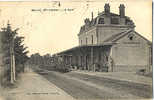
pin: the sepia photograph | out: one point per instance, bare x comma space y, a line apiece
76, 50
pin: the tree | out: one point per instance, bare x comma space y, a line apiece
10, 39
47, 59
36, 59
6, 39
20, 53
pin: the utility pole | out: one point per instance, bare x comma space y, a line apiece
13, 76
12, 65
13, 61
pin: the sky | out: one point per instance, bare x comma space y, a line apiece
51, 29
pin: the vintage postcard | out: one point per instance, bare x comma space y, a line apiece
76, 50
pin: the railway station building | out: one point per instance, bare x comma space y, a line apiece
109, 43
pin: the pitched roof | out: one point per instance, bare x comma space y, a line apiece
118, 36
143, 37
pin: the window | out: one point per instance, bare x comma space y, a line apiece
86, 40
92, 39
81, 42
131, 38
101, 21
114, 21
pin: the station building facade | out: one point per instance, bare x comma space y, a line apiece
109, 42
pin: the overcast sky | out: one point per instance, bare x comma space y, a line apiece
54, 31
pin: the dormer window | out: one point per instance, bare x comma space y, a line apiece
101, 21
114, 20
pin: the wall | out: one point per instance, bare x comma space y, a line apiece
112, 25
106, 32
131, 55
88, 35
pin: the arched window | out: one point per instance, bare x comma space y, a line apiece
92, 39
86, 41
101, 21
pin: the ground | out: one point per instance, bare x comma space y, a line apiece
33, 86
80, 85
83, 86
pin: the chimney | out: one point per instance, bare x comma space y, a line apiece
122, 10
92, 16
98, 12
107, 8
8, 25
87, 21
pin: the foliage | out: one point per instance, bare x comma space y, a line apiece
37, 59
10, 39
